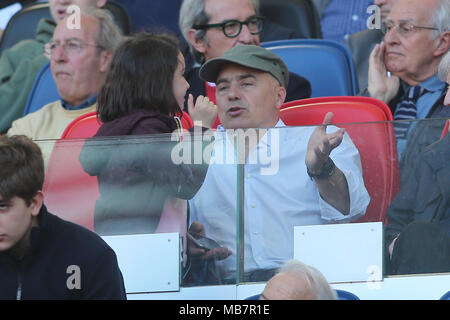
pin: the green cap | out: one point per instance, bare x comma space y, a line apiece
249, 56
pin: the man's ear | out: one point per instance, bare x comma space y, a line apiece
281, 96
443, 44
36, 203
199, 44
105, 60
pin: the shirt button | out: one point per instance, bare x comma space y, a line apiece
252, 205
355, 17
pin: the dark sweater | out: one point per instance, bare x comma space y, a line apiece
136, 173
44, 271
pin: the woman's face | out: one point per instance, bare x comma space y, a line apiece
180, 85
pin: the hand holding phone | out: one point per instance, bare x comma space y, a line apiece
204, 242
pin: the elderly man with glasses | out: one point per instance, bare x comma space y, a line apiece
211, 27
403, 68
21, 63
79, 60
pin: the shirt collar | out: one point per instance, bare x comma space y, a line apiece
432, 84
280, 123
86, 104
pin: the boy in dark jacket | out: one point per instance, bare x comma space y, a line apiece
41, 255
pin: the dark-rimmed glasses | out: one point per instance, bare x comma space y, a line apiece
404, 28
232, 28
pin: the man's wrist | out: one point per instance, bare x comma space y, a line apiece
327, 170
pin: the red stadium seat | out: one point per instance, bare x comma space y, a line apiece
85, 126
445, 131
374, 140
71, 193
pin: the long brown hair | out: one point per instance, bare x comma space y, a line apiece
140, 77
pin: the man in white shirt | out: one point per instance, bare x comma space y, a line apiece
302, 185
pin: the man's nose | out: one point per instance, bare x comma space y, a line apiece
59, 54
391, 37
233, 92
245, 36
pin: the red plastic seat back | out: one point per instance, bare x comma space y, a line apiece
445, 131
69, 191
375, 141
85, 126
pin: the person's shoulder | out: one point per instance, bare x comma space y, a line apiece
365, 37
298, 87
80, 238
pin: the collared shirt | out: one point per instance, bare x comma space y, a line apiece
86, 104
278, 195
434, 88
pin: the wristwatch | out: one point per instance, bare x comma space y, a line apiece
327, 170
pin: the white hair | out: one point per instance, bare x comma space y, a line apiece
444, 67
313, 277
440, 18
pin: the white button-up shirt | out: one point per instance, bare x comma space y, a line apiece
278, 195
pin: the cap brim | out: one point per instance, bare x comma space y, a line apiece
210, 70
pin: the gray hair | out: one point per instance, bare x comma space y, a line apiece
192, 12
440, 18
315, 279
109, 36
444, 67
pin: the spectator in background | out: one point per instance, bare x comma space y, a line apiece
202, 23
403, 68
43, 257
362, 43
341, 18
20, 64
79, 60
298, 281
418, 233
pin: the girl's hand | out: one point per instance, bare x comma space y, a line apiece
204, 110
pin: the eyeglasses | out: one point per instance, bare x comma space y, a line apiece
232, 28
404, 28
70, 47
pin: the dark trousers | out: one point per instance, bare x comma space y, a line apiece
422, 247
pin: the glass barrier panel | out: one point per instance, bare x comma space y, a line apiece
240, 193
141, 185
278, 195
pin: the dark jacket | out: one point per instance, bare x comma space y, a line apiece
44, 271
425, 193
424, 134
298, 87
136, 174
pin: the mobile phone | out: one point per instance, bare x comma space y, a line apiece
204, 242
